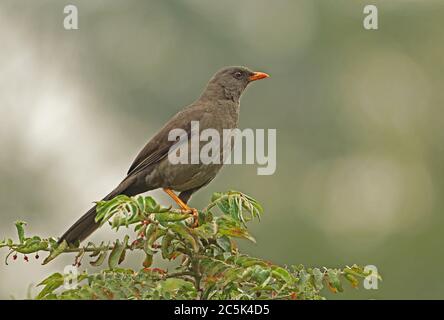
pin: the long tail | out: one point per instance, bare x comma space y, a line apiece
86, 225
82, 228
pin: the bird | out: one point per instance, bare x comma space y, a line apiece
217, 107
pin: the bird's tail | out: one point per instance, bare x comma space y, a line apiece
87, 224
82, 228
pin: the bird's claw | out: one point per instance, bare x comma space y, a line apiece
195, 214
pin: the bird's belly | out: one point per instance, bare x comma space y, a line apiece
182, 177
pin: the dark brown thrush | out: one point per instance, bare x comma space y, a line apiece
217, 108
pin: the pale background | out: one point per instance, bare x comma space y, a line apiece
359, 119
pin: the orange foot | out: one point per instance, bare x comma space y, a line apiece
184, 207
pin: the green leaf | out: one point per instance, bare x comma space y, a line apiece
106, 209
225, 243
116, 253
148, 261
51, 283
152, 234
334, 281
122, 256
260, 274
20, 230
32, 245
283, 274
206, 230
216, 196
230, 227
172, 286
304, 278
56, 251
352, 279
167, 252
100, 259
186, 234
150, 230
150, 205
318, 278
171, 216
224, 206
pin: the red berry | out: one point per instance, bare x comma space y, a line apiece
14, 257
37, 256
26, 258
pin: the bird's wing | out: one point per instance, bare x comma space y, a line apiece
157, 148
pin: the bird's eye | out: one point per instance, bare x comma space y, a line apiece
238, 75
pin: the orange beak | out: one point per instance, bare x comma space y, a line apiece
258, 76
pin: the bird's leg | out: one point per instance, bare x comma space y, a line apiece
183, 206
179, 201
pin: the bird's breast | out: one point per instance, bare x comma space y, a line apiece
188, 174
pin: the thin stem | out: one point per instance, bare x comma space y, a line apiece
179, 274
195, 267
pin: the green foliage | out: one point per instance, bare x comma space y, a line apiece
209, 265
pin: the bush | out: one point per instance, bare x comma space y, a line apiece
209, 264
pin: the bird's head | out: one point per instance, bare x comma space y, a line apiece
230, 82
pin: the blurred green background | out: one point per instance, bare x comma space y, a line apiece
359, 119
